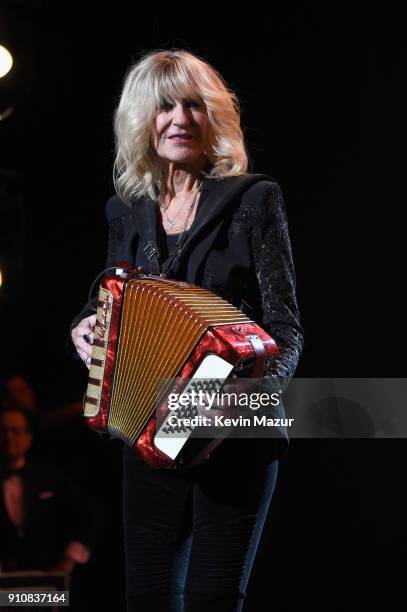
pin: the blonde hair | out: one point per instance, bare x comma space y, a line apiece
157, 76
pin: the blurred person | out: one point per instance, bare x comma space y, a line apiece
18, 392
46, 523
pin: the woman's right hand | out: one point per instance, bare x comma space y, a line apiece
82, 337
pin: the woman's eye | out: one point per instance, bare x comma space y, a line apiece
165, 105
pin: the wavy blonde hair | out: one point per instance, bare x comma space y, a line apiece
157, 76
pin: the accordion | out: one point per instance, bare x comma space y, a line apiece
151, 329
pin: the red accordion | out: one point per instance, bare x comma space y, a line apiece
151, 329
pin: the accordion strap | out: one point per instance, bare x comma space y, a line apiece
260, 351
150, 251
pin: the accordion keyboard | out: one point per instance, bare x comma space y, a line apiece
172, 433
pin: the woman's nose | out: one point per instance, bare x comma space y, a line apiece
180, 114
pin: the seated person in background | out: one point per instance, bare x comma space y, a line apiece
58, 427
45, 522
19, 393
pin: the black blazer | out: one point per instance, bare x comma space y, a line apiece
238, 247
57, 512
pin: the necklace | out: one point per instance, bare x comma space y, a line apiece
175, 251
170, 223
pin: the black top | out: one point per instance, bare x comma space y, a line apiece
169, 242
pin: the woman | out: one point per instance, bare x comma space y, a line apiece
187, 206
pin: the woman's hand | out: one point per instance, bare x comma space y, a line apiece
82, 337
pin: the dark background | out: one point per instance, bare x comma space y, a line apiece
323, 95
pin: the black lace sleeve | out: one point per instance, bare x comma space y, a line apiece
275, 275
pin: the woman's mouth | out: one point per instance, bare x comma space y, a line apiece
181, 139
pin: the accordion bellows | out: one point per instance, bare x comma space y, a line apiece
150, 329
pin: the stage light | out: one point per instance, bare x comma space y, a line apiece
6, 61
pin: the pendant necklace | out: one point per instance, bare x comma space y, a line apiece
170, 223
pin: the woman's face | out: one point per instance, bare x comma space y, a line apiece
181, 132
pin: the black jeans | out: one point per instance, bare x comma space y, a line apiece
190, 536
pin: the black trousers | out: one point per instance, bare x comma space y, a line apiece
190, 536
